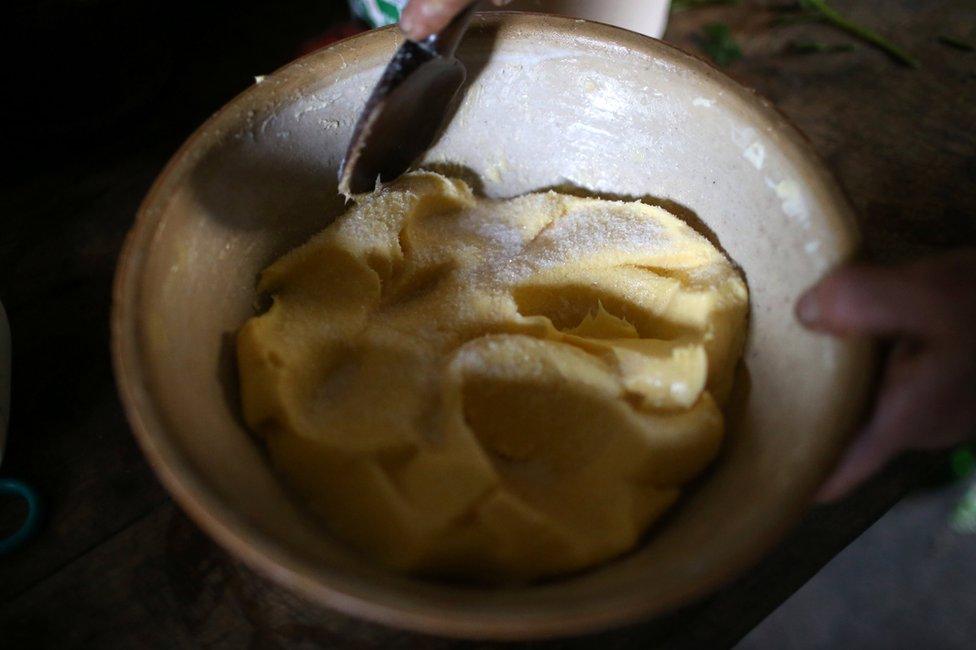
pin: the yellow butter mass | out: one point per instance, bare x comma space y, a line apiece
493, 389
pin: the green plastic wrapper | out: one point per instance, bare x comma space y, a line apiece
378, 13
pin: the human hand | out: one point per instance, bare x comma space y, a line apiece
421, 18
927, 399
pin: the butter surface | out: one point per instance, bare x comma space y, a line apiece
502, 390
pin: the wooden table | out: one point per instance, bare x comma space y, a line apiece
117, 563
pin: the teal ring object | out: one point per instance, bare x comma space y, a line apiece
13, 487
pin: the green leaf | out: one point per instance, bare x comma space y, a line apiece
957, 43
389, 10
963, 462
719, 45
963, 519
867, 35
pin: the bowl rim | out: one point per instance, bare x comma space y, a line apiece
269, 558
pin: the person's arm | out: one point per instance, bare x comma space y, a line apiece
421, 18
927, 398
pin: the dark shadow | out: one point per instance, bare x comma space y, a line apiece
460, 172
736, 408
245, 187
474, 53
227, 377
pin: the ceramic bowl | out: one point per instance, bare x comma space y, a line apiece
552, 102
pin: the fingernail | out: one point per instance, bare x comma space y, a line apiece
433, 8
408, 25
808, 309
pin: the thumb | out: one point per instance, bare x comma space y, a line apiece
870, 452
867, 301
895, 420
421, 18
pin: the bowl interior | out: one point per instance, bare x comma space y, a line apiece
551, 103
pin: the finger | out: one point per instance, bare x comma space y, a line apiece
890, 429
868, 454
421, 18
868, 301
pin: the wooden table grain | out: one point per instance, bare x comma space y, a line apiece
117, 564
